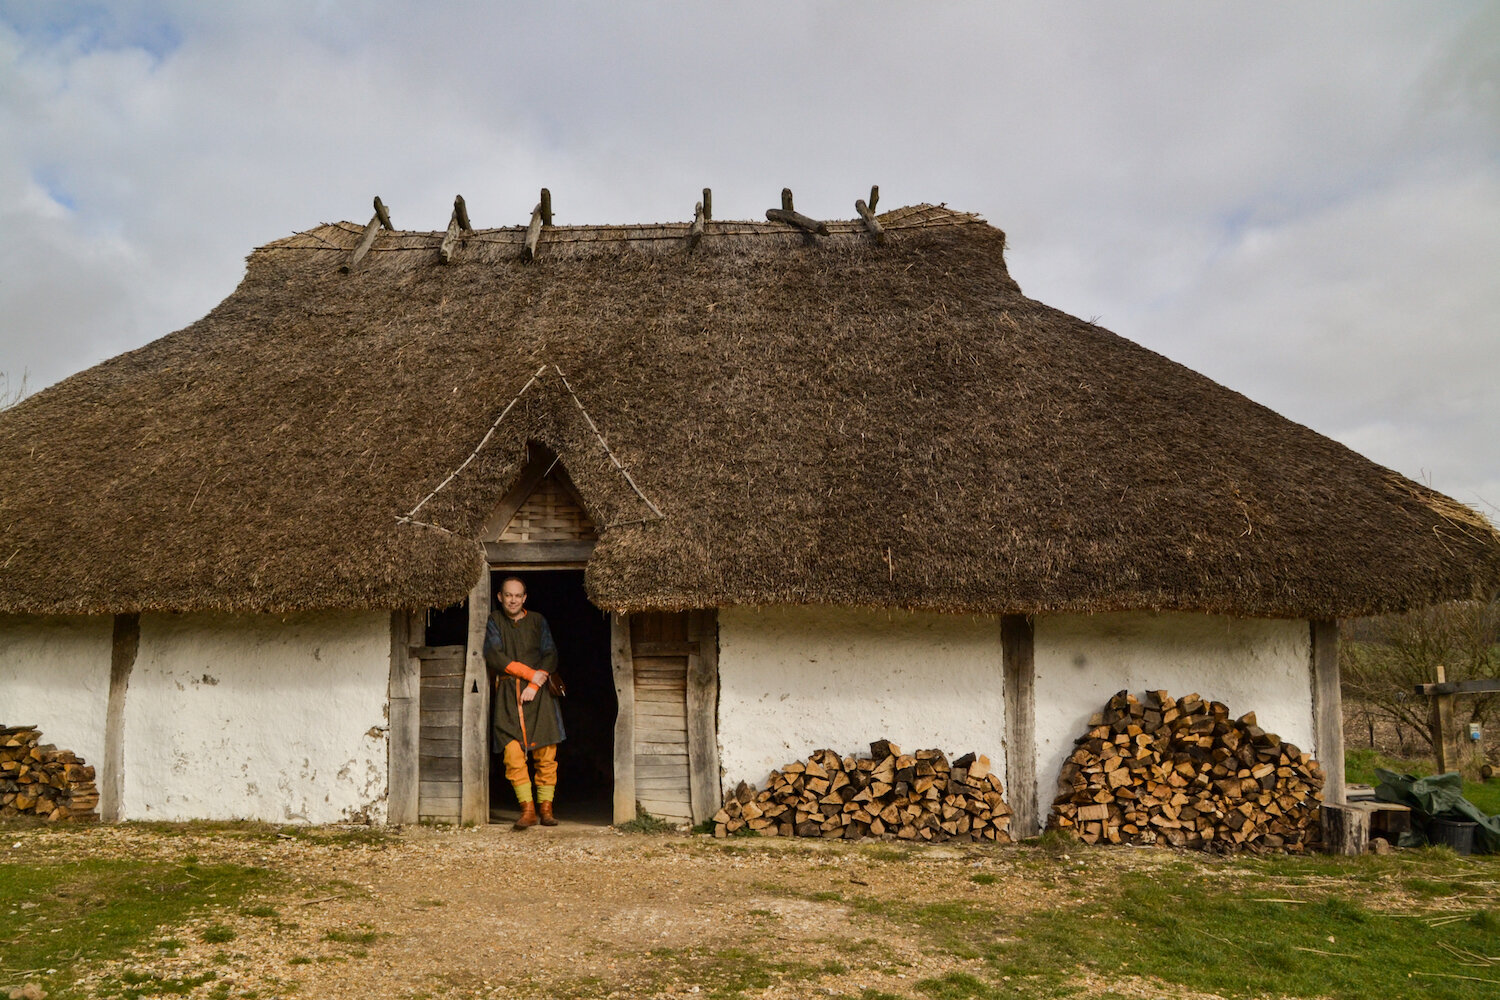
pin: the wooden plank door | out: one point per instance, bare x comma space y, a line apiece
659, 651
439, 761
666, 735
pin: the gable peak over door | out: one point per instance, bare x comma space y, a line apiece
541, 520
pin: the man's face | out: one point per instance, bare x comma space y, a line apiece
512, 598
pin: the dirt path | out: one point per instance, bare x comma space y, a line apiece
589, 912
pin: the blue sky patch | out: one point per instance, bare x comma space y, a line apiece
50, 181
92, 27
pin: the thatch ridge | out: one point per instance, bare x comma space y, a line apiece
820, 420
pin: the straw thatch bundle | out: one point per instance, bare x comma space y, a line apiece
819, 420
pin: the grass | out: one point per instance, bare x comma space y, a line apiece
1228, 928
644, 822
334, 836
80, 912
1360, 765
132, 985
735, 972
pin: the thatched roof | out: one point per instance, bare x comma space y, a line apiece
818, 420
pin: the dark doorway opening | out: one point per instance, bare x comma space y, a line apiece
448, 626
585, 759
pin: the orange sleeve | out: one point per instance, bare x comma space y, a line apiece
518, 669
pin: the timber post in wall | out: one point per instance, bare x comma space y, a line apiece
1328, 708
474, 803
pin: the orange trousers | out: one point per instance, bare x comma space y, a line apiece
545, 759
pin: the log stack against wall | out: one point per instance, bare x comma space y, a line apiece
921, 796
1180, 771
38, 779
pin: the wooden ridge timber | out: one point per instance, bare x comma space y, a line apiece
789, 215
38, 779
921, 796
1180, 771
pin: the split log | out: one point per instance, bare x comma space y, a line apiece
37, 779
918, 796
1182, 772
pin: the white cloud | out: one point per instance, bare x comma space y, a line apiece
1299, 200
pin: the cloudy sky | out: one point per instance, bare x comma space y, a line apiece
1300, 200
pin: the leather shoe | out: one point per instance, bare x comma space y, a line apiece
527, 817
544, 809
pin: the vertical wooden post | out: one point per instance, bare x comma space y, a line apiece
1018, 652
408, 629
1443, 750
622, 663
704, 789
1328, 708
474, 799
126, 643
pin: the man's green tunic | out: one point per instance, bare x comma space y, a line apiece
536, 723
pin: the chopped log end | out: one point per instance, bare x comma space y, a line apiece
1180, 772
834, 797
38, 779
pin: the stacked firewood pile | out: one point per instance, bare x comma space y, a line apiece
1180, 770
38, 779
921, 796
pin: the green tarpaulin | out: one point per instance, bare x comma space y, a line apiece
1438, 797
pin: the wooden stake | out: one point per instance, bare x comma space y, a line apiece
786, 213
696, 233
546, 207
382, 219
708, 204
798, 220
533, 233
867, 213
458, 223
874, 196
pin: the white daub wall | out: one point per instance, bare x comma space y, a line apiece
54, 672
283, 718
280, 718
1249, 664
796, 679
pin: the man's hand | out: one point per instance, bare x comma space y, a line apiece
539, 678
529, 693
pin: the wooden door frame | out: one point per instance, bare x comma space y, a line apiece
622, 665
474, 746
702, 714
